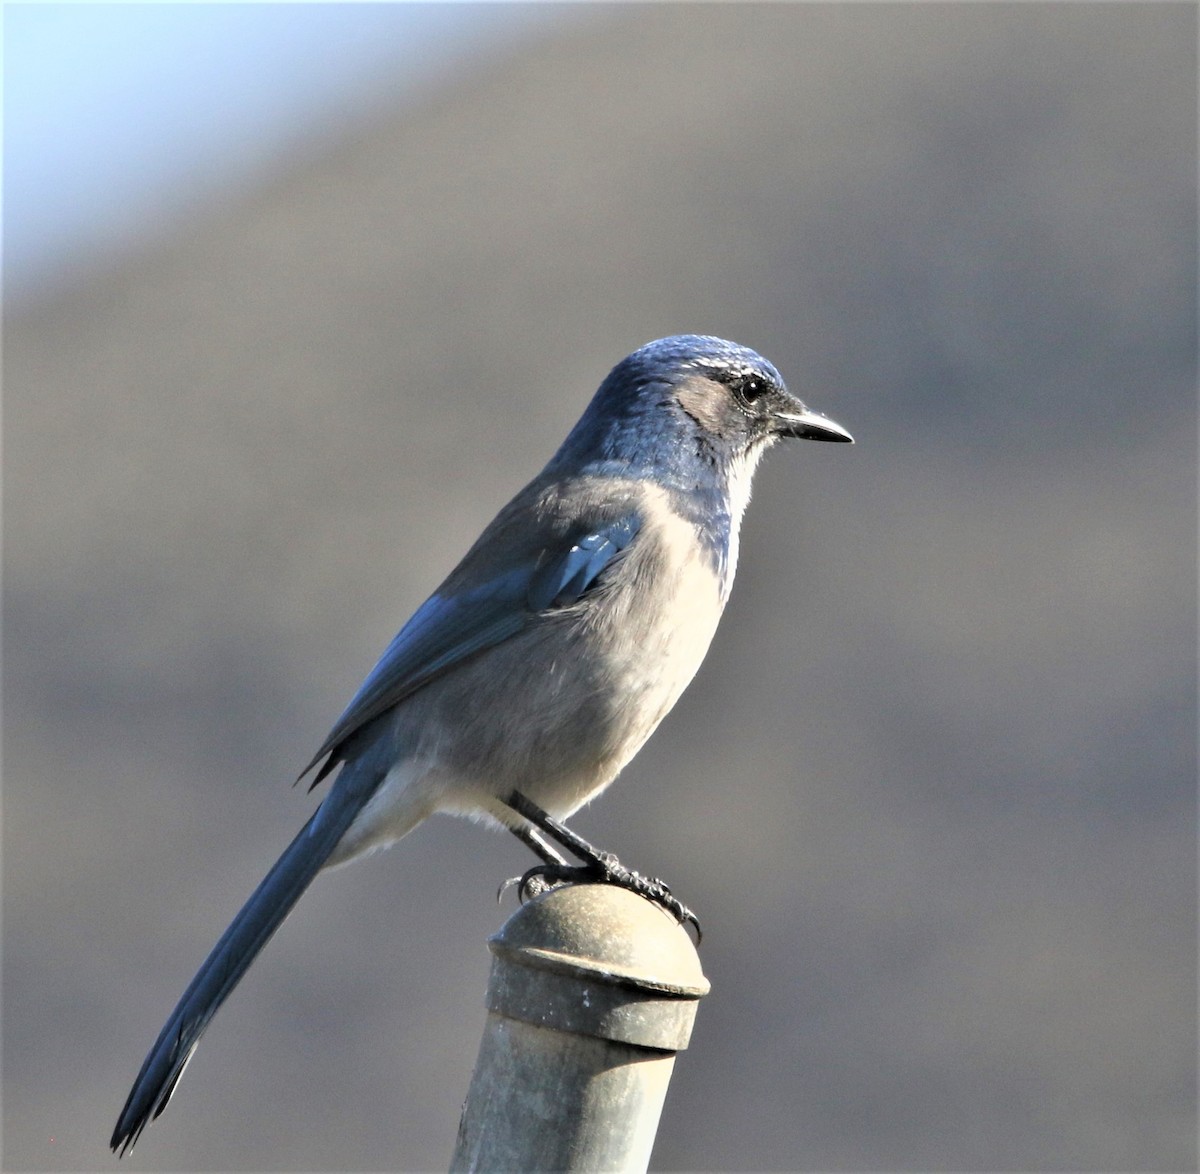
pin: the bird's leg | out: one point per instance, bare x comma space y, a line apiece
598, 866
538, 844
532, 886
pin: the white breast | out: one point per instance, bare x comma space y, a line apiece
661, 627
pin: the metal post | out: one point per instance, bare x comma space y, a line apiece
592, 992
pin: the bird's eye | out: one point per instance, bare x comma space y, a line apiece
751, 388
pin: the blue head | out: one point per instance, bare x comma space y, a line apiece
689, 411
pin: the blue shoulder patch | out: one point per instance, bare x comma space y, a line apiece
564, 578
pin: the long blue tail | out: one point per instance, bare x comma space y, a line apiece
251, 929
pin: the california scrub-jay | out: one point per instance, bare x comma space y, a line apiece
537, 670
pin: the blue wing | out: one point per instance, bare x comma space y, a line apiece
563, 578
448, 629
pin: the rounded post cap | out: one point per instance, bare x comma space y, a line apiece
597, 960
606, 933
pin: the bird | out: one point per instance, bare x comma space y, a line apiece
519, 690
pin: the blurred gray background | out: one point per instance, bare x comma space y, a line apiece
933, 792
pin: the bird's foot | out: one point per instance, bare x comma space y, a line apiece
605, 869
527, 886
543, 832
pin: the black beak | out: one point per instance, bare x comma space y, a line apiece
809, 426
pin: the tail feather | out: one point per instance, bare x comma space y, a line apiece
251, 929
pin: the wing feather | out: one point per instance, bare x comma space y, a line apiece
447, 630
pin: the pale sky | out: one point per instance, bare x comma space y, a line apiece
120, 117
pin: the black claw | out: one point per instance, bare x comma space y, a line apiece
654, 890
541, 878
538, 880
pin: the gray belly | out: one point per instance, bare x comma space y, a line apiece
558, 710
